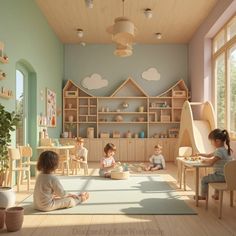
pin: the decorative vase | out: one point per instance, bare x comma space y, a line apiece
119, 118
71, 118
65, 134
14, 218
70, 105
2, 216
7, 197
128, 134
141, 109
141, 134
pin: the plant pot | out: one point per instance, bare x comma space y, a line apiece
2, 216
14, 218
2, 176
7, 197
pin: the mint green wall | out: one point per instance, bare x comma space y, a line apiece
169, 59
27, 35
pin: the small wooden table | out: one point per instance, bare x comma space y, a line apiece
197, 165
58, 148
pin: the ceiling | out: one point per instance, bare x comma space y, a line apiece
177, 20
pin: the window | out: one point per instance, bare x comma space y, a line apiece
224, 60
20, 107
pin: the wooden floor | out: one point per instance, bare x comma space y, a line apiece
205, 223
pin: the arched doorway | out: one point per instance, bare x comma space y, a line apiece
26, 103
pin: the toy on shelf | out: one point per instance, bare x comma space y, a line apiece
116, 134
165, 118
128, 134
173, 133
179, 93
119, 118
104, 135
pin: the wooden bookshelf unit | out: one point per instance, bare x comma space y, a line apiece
128, 110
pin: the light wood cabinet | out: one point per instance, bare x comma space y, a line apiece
95, 152
123, 152
128, 150
140, 149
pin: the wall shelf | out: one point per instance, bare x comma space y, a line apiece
6, 96
3, 60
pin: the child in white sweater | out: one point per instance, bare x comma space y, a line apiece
157, 161
49, 194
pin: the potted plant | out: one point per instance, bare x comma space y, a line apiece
69, 128
8, 121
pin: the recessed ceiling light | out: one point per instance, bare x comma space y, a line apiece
89, 3
148, 13
158, 35
80, 33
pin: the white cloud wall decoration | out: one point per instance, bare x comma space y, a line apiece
151, 74
95, 81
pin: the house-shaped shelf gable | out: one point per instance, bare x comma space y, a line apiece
71, 86
129, 89
179, 86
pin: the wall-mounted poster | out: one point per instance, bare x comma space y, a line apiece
51, 108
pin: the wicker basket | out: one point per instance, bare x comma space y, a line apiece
120, 175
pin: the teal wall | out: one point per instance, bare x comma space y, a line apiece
28, 37
169, 59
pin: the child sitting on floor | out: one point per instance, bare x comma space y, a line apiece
157, 161
217, 159
49, 194
107, 163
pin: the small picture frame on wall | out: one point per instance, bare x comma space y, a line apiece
51, 108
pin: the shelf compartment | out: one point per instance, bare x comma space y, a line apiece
83, 102
178, 103
176, 115
83, 111
69, 113
70, 103
160, 103
123, 113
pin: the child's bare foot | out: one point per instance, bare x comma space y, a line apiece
84, 196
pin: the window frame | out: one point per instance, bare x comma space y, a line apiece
224, 49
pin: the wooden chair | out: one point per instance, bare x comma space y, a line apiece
76, 164
26, 153
183, 152
15, 165
229, 185
64, 162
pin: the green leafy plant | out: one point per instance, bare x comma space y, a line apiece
8, 122
70, 126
